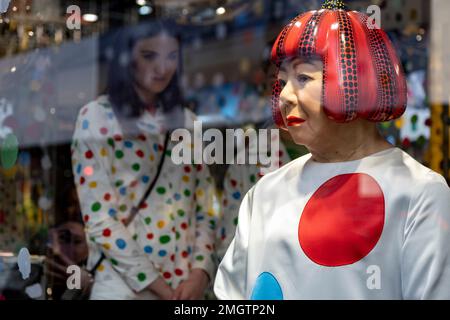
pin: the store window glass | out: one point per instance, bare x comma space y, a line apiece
116, 177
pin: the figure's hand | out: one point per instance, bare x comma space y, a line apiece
161, 289
194, 287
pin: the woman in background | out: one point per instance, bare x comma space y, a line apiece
121, 142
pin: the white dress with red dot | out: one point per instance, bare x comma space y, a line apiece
375, 228
174, 230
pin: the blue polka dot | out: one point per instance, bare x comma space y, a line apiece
112, 212
145, 179
155, 146
267, 288
200, 218
148, 249
237, 195
177, 196
121, 244
111, 115
79, 169
189, 249
123, 191
162, 253
128, 144
85, 124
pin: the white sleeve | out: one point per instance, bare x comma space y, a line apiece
425, 257
231, 279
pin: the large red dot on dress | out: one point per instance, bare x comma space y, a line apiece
343, 220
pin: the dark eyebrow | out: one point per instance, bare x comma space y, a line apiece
299, 61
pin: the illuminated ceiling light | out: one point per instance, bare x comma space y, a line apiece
145, 10
220, 11
90, 17
14, 8
30, 33
141, 2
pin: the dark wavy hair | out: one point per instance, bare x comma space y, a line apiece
120, 82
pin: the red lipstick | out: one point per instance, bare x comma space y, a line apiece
294, 121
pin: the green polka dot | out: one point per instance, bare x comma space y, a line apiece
181, 212
164, 239
169, 153
197, 182
187, 192
96, 206
161, 190
119, 183
235, 221
9, 151
172, 217
135, 236
114, 262
123, 207
141, 277
177, 235
198, 208
119, 154
252, 178
148, 220
199, 258
212, 224
136, 167
111, 142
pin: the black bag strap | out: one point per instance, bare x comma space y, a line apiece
135, 209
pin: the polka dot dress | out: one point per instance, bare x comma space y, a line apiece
238, 180
174, 230
374, 228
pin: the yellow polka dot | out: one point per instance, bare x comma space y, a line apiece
132, 196
211, 213
101, 268
107, 246
103, 152
113, 170
185, 178
199, 192
93, 184
161, 224
152, 157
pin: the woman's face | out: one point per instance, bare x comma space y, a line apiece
155, 62
300, 101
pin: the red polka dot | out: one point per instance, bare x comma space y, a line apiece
83, 112
134, 184
150, 236
167, 275
233, 183
86, 218
184, 226
199, 167
89, 154
140, 153
179, 272
103, 131
172, 258
106, 233
107, 197
184, 254
187, 169
143, 205
343, 220
82, 180
160, 147
142, 137
117, 137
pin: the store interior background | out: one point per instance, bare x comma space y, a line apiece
49, 72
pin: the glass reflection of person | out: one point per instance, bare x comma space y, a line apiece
165, 252
357, 218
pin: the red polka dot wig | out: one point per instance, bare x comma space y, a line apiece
362, 75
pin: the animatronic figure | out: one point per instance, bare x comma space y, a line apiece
357, 218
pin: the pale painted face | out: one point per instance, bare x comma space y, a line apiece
300, 101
